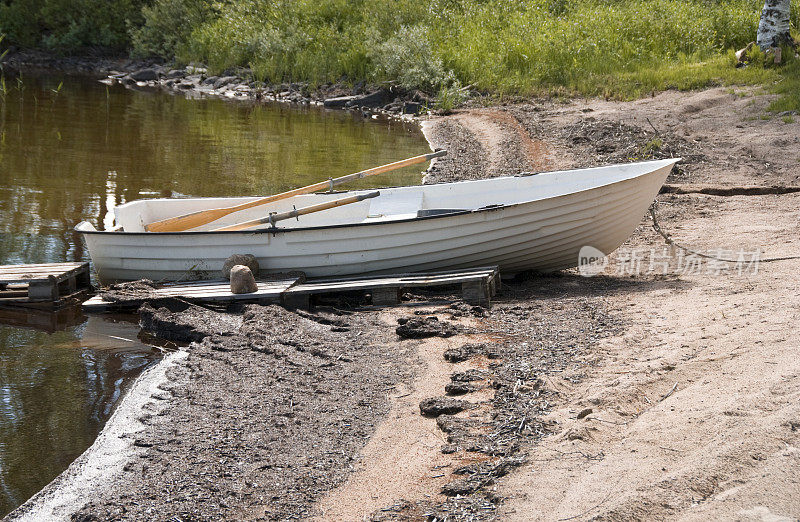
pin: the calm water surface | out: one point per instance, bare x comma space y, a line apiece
71, 149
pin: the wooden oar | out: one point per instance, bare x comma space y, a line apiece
273, 218
203, 217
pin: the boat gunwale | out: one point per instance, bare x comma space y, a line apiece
490, 208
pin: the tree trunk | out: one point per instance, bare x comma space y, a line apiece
773, 29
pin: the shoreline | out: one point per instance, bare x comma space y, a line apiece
112, 449
239, 84
629, 341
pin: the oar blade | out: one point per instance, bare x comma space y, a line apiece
187, 221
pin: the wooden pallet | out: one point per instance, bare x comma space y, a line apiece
478, 286
42, 285
216, 291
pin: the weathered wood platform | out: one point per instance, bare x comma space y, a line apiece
478, 286
216, 291
47, 285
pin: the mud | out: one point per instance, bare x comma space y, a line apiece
134, 290
422, 327
261, 421
466, 351
182, 322
435, 406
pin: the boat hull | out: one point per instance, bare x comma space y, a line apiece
544, 234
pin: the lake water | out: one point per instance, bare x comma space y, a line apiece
71, 149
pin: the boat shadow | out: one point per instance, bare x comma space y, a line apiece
537, 285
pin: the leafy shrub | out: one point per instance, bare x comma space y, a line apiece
409, 58
617, 48
70, 25
167, 26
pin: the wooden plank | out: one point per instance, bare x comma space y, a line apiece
314, 287
422, 279
476, 292
44, 265
477, 285
40, 272
61, 271
217, 289
465, 271
386, 296
46, 290
214, 292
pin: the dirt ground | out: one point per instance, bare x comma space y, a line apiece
695, 407
665, 388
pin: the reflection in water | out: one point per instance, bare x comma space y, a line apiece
73, 153
56, 392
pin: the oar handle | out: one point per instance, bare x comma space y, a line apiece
385, 168
340, 180
203, 217
274, 218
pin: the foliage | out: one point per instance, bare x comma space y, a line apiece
788, 87
612, 48
409, 58
70, 25
620, 48
167, 26
450, 97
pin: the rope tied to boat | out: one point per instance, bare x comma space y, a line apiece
671, 242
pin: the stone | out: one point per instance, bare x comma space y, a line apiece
144, 75
248, 260
242, 280
412, 108
337, 103
375, 99
175, 73
225, 80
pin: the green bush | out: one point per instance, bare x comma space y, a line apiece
167, 26
67, 26
617, 48
409, 58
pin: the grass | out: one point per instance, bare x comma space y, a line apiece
620, 49
788, 86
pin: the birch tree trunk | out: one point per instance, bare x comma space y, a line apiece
773, 29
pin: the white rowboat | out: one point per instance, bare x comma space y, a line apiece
536, 222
